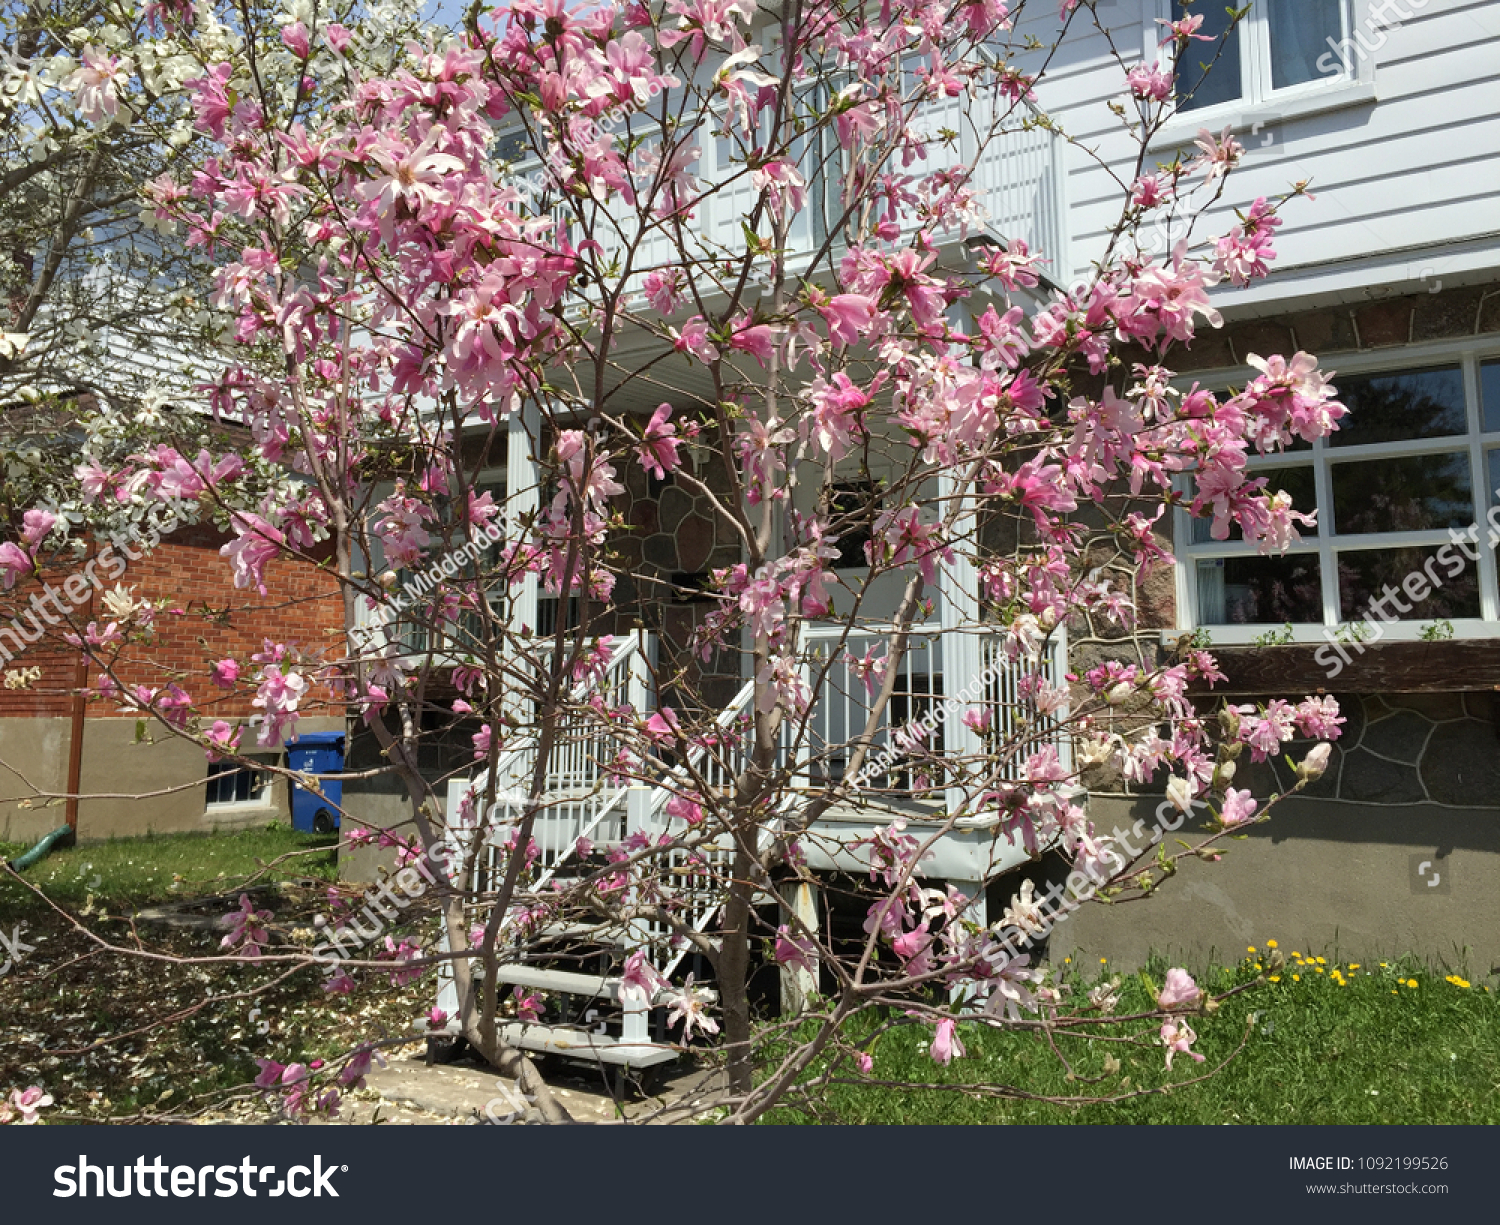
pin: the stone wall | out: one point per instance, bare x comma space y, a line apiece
673, 541
1319, 876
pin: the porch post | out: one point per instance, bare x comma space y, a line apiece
958, 605
523, 497
640, 794
798, 986
978, 912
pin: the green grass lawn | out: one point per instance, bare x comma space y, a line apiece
1333, 1043
135, 872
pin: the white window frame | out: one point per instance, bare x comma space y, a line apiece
1468, 355
1259, 104
263, 798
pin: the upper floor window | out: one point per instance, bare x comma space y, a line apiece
1407, 493
1278, 45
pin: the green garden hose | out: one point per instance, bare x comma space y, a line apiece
61, 836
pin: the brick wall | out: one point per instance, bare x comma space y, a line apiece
207, 619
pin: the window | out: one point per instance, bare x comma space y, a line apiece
1279, 45
230, 783
1415, 466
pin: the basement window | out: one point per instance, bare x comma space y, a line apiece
232, 784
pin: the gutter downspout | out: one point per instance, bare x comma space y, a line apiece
75, 736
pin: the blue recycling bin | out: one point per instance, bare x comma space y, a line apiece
317, 753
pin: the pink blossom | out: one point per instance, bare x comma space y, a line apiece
1180, 991
1178, 1036
14, 563
256, 542
295, 39
278, 695
798, 952
245, 928
37, 524
225, 673
1217, 154
1150, 81
96, 84
1239, 806
657, 453
26, 1103
639, 979
663, 726
223, 738
690, 1006
685, 810
945, 1042
528, 1005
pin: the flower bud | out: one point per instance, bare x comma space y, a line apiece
1315, 763
1229, 723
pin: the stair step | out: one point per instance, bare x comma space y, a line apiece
581, 1044
591, 986
570, 1042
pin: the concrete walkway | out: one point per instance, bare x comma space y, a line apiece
408, 1091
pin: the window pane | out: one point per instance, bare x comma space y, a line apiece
1222, 82
1301, 32
1260, 590
1296, 481
1411, 584
1394, 407
1489, 394
1408, 493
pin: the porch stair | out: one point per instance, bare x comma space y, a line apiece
603, 1022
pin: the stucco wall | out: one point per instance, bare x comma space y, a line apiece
1321, 875
168, 776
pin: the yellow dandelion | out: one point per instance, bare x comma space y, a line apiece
1275, 978
1258, 966
1270, 944
1067, 961
1251, 949
1319, 969
1383, 966
1412, 983
1296, 954
1354, 965
1322, 961
1296, 978
1394, 991
1104, 961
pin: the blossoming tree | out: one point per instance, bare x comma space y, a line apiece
741, 251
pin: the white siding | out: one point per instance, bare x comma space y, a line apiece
1417, 168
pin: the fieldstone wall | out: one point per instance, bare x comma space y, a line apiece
1403, 748
672, 543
